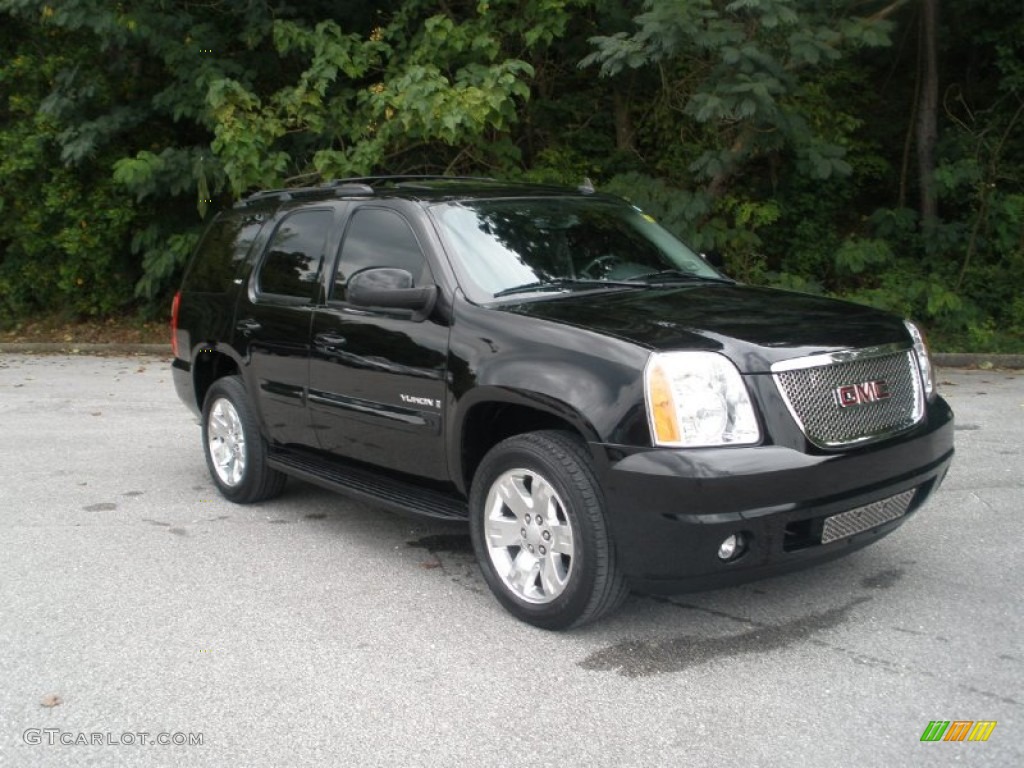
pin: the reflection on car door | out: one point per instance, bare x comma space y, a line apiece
377, 379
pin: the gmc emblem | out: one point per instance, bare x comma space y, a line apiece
863, 393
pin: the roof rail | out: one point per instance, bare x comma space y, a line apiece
341, 187
406, 178
356, 185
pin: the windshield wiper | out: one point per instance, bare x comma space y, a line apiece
564, 283
670, 275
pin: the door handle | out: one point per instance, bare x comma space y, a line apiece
329, 341
248, 325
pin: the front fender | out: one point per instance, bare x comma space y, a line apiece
589, 380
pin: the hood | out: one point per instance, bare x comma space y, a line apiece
754, 327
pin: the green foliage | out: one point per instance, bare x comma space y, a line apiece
678, 210
60, 231
746, 68
419, 82
776, 132
857, 255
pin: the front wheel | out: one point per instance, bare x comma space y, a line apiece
236, 453
538, 527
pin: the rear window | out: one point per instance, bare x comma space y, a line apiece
221, 251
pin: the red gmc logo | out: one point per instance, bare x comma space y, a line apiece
863, 393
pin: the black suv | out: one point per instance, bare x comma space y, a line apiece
606, 409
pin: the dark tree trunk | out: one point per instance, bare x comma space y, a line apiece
927, 113
623, 121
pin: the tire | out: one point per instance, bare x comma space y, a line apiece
236, 452
557, 570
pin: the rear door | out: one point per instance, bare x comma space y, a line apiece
377, 378
272, 325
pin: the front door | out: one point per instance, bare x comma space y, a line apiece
377, 379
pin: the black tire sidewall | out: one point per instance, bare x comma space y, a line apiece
231, 388
528, 452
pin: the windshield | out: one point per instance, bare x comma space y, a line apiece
501, 247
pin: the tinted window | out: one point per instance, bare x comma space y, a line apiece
295, 255
501, 244
224, 246
378, 238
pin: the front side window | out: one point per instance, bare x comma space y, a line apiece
503, 246
377, 237
295, 255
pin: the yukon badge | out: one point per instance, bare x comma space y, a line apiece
863, 393
414, 400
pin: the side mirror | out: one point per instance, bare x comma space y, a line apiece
390, 288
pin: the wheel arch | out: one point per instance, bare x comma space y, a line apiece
209, 363
496, 414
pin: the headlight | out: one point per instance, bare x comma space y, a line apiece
924, 362
697, 399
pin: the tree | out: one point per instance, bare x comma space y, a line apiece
187, 106
927, 111
744, 69
64, 222
781, 132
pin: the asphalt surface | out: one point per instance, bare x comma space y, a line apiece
313, 630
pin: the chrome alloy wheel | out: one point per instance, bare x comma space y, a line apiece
227, 442
529, 536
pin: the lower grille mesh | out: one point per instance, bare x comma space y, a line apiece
863, 518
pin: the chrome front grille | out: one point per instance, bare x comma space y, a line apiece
811, 385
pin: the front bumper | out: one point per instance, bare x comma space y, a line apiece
668, 509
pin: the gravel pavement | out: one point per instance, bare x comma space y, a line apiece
314, 630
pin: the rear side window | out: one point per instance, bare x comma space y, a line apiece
295, 255
222, 249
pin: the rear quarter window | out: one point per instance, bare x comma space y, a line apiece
221, 252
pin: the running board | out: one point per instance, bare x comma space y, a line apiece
371, 486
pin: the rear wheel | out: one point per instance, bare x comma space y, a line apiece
236, 453
538, 527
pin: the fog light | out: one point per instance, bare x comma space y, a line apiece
731, 547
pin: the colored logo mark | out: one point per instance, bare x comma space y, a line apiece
958, 730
